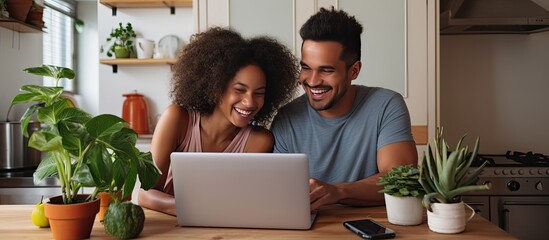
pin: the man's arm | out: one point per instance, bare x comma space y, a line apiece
364, 192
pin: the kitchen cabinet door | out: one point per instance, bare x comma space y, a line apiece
399, 44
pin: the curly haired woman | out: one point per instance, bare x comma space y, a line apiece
221, 84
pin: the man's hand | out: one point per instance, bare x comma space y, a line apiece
322, 194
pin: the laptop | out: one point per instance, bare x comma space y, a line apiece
242, 190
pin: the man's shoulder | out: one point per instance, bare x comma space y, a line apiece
299, 104
376, 91
377, 96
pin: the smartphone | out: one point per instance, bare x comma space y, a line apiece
368, 229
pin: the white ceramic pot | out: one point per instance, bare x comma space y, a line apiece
448, 217
404, 210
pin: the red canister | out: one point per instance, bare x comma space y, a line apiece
134, 111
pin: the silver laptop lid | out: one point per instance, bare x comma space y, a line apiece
248, 190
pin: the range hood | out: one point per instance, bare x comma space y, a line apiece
492, 17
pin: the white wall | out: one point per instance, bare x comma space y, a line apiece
17, 52
88, 59
151, 81
496, 87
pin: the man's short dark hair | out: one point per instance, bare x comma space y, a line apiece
335, 25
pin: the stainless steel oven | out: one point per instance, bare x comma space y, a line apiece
17, 187
518, 200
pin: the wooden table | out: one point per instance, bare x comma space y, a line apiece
15, 223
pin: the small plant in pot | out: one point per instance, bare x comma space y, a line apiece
121, 41
4, 9
82, 151
403, 194
444, 175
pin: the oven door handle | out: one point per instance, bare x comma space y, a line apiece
505, 219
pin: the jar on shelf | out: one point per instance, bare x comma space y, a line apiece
134, 111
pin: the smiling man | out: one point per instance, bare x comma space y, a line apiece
351, 133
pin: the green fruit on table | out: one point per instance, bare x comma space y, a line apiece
124, 220
38, 217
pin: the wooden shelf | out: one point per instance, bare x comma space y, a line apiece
171, 4
134, 61
146, 3
18, 26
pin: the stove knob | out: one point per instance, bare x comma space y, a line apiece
505, 171
513, 171
513, 185
547, 171
539, 186
532, 172
540, 172
521, 171
496, 172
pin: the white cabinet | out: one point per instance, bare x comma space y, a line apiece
399, 50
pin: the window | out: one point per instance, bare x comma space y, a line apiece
59, 40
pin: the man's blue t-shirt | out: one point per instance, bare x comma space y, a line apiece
344, 148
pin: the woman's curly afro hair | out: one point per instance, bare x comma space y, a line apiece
211, 60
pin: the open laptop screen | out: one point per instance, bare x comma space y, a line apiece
249, 190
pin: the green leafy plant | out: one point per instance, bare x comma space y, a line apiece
120, 37
443, 174
3, 8
402, 181
82, 151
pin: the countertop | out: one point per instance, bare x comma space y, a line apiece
15, 223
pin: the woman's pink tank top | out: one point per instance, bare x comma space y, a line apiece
192, 143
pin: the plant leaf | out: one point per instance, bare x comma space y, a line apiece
100, 165
46, 168
24, 97
148, 172
130, 180
84, 176
105, 125
45, 141
121, 168
51, 71
74, 115
49, 114
25, 119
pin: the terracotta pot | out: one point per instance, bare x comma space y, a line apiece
71, 221
106, 199
35, 16
19, 9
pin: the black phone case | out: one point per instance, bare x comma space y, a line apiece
354, 227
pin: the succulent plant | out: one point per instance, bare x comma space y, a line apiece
402, 181
444, 174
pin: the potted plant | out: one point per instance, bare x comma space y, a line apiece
34, 17
18, 9
82, 151
3, 9
444, 176
121, 41
403, 194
